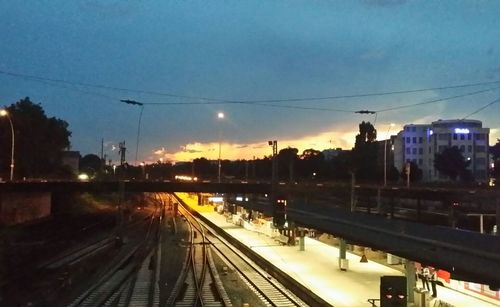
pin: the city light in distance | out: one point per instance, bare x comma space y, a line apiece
185, 178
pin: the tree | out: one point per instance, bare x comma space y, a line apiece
365, 152
415, 172
90, 164
39, 140
452, 164
341, 166
495, 155
203, 168
367, 134
287, 158
312, 162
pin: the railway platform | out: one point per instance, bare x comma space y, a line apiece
317, 269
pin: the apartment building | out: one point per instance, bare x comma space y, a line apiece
420, 142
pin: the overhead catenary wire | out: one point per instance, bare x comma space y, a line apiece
482, 108
437, 100
248, 101
77, 89
75, 86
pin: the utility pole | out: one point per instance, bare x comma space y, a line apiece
133, 102
408, 169
274, 168
121, 152
103, 157
385, 154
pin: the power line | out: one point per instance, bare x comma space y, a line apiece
300, 107
437, 100
113, 88
377, 94
69, 85
482, 108
219, 101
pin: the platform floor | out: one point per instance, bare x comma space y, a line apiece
317, 269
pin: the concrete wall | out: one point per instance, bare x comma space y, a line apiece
17, 208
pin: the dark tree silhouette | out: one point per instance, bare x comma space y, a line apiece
495, 155
365, 153
287, 159
203, 168
39, 140
415, 172
452, 164
367, 134
341, 166
312, 162
90, 164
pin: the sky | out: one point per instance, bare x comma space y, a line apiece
188, 60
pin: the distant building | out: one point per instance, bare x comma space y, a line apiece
386, 156
420, 143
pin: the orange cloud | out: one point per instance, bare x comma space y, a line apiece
235, 151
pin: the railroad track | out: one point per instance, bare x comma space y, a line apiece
132, 280
270, 291
199, 283
81, 253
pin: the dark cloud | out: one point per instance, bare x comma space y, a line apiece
184, 149
242, 146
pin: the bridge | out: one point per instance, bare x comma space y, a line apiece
467, 255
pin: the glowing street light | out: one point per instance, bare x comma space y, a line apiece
3, 113
220, 116
385, 153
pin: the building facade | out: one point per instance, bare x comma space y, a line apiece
419, 144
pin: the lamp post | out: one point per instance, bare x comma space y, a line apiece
274, 144
385, 154
4, 112
220, 116
133, 102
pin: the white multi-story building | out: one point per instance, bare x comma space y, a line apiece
419, 144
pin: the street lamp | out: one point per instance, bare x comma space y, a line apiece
133, 102
220, 116
274, 144
4, 112
385, 153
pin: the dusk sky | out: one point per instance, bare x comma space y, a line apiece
246, 51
